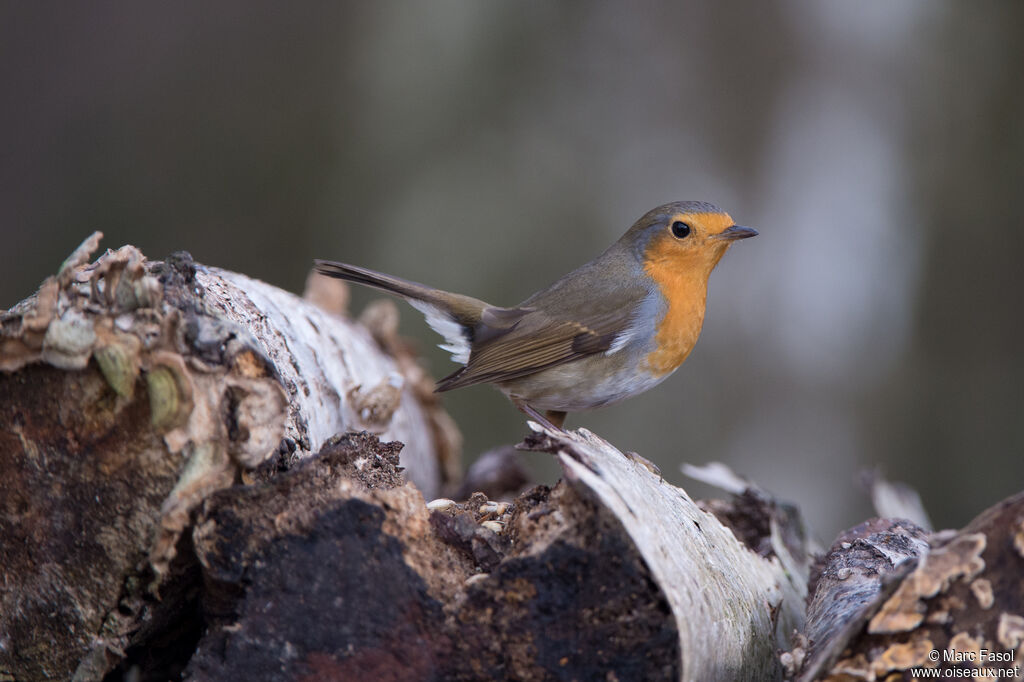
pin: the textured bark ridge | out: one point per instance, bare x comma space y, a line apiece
206, 476
891, 598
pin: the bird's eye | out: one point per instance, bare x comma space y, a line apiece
680, 229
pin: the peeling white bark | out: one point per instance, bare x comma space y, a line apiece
732, 607
337, 378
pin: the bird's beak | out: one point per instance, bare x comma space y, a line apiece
736, 232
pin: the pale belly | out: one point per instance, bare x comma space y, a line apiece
584, 384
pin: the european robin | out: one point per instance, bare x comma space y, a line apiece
608, 330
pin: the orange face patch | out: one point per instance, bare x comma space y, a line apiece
681, 267
710, 223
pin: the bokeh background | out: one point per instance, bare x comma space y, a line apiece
490, 147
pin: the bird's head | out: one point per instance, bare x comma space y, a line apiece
684, 237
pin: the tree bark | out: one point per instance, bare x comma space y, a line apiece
890, 599
130, 392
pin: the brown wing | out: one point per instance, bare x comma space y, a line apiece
580, 315
533, 342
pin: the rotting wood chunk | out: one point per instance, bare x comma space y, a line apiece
338, 569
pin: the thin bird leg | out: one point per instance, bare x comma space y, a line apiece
556, 417
538, 417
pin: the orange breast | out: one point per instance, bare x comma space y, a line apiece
684, 284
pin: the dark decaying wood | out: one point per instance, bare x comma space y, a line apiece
338, 570
204, 475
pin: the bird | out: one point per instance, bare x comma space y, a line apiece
610, 329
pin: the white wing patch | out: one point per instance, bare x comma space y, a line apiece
649, 309
623, 337
620, 341
454, 336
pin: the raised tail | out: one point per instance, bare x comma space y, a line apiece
453, 316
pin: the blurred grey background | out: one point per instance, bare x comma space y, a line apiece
488, 148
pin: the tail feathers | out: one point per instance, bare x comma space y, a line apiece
453, 316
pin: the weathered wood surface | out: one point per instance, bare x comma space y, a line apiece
130, 391
732, 605
890, 598
339, 571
